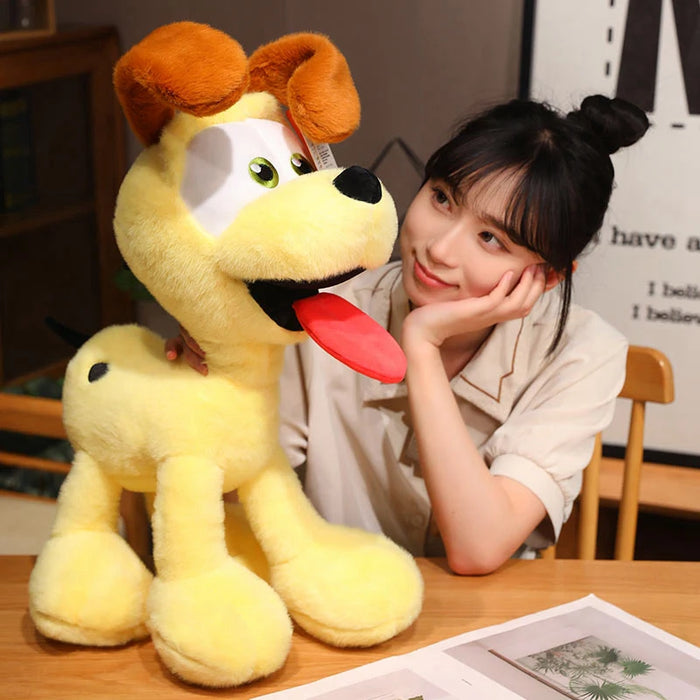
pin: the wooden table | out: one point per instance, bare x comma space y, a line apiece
665, 594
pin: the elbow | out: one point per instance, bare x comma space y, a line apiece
476, 564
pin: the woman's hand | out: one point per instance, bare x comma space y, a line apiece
185, 345
436, 323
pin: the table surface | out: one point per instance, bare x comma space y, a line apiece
662, 593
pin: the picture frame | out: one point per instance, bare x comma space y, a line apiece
24, 19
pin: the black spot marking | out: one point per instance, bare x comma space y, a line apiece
97, 371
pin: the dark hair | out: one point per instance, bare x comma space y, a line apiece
563, 175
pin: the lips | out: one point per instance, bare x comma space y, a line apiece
427, 278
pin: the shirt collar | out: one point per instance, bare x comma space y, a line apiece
492, 378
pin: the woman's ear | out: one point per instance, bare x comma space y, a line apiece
552, 277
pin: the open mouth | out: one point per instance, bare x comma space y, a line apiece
340, 328
276, 297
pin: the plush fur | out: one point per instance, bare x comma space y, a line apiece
282, 69
226, 579
184, 66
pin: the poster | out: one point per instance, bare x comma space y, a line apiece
644, 274
582, 650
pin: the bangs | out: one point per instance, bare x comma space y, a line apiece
538, 205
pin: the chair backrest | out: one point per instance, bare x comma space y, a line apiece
30, 415
649, 378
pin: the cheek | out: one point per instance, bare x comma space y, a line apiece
480, 287
403, 239
482, 278
420, 221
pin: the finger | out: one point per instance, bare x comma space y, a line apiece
173, 348
195, 361
521, 300
531, 279
515, 292
191, 343
537, 289
501, 290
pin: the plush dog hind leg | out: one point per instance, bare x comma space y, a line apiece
88, 586
342, 585
213, 621
241, 543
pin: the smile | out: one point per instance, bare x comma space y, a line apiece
428, 279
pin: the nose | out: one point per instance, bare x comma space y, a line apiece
443, 247
359, 183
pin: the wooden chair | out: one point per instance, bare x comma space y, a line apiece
29, 415
649, 378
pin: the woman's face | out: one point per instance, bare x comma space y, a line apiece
454, 250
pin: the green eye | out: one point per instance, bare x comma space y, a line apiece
263, 172
300, 165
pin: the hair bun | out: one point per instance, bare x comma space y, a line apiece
615, 122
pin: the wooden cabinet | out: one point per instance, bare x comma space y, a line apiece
57, 253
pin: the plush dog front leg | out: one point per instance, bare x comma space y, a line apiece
88, 586
213, 621
342, 585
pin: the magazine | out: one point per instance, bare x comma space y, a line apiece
584, 650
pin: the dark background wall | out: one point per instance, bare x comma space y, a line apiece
419, 65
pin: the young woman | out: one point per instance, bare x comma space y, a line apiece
481, 449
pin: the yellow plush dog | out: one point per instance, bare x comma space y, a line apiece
227, 224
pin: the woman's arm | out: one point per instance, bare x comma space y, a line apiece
482, 518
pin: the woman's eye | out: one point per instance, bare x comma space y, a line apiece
300, 165
263, 172
440, 196
491, 240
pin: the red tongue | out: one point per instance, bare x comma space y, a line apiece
351, 336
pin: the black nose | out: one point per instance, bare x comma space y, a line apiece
359, 183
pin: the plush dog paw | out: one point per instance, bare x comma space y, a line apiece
351, 588
221, 628
89, 588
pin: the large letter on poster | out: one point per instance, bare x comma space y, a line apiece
644, 274
637, 76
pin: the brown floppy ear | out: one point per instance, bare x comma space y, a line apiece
308, 74
182, 66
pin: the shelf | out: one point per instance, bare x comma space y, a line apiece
42, 214
58, 257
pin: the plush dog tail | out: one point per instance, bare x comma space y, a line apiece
183, 66
74, 338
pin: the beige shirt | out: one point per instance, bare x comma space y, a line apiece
533, 416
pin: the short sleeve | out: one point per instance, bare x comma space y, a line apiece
293, 407
548, 438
